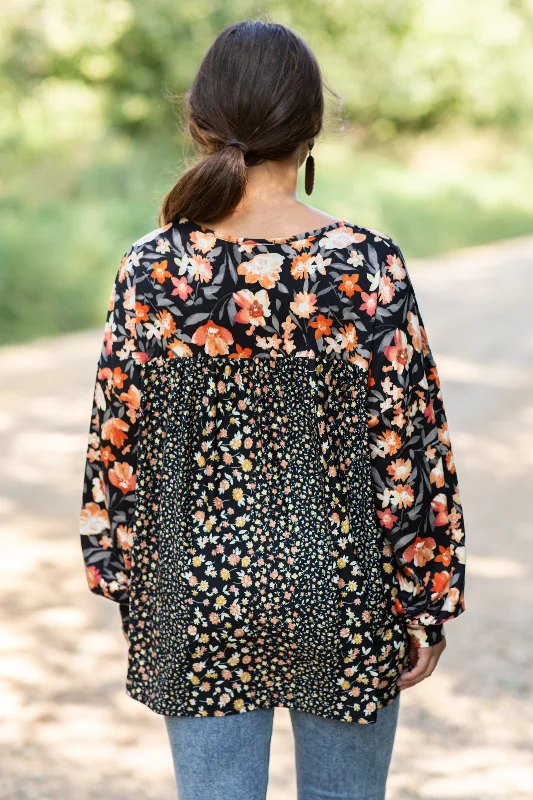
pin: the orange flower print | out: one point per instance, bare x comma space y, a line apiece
124, 537
263, 268
445, 556
450, 463
421, 551
109, 336
117, 377
115, 430
160, 272
433, 375
299, 266
106, 455
198, 268
395, 267
436, 475
349, 285
386, 290
214, 338
129, 298
183, 290
288, 337
123, 477
400, 469
178, 349
439, 504
340, 238
94, 576
254, 307
414, 329
322, 324
241, 352
390, 443
304, 304
348, 336
452, 598
369, 304
403, 496
387, 518
94, 519
398, 353
166, 323
444, 434
131, 398
440, 584
141, 312
203, 241
124, 269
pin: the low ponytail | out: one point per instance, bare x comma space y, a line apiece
259, 84
209, 189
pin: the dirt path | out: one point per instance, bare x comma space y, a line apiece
67, 728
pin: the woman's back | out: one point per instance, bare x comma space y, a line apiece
276, 492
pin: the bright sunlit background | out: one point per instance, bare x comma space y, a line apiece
437, 105
432, 144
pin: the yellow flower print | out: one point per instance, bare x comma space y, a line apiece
238, 704
221, 600
246, 677
237, 493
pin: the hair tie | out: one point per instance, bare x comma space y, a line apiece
239, 144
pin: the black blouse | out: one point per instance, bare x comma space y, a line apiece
270, 493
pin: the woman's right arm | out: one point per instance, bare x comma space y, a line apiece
108, 497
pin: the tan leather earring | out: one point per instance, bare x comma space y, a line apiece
310, 170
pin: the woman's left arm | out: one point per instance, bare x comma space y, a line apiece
415, 479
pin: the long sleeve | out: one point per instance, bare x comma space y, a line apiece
415, 480
108, 498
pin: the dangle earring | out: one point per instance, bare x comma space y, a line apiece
309, 171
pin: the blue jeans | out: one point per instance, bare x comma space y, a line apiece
227, 758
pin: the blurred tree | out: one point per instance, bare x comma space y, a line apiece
90, 138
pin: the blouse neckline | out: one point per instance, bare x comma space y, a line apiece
252, 240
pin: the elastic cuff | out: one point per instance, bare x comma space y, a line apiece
425, 635
125, 616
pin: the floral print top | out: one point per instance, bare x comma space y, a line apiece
270, 494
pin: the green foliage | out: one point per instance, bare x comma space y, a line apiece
90, 136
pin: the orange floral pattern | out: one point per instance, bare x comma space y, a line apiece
270, 494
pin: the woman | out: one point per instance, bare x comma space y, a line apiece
270, 495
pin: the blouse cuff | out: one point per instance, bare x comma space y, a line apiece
125, 616
426, 635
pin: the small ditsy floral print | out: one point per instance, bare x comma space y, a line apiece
270, 494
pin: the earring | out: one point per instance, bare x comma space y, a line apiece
309, 171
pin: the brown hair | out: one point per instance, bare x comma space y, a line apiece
258, 84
